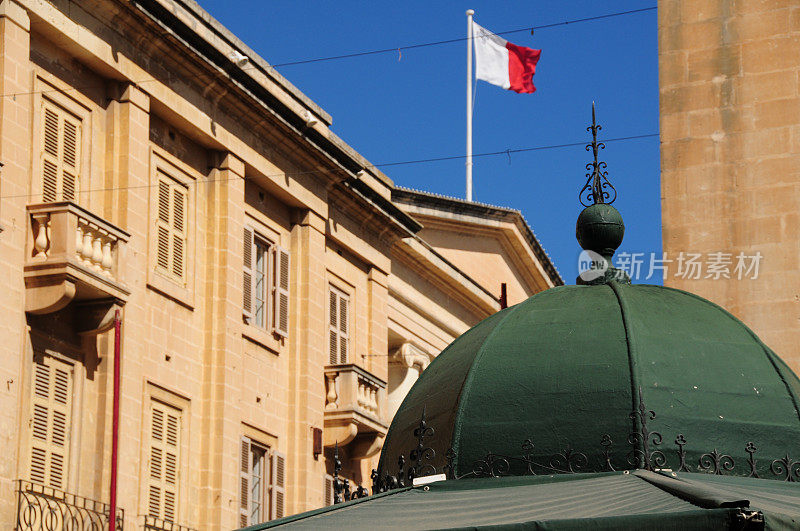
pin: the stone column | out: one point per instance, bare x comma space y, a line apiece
15, 154
307, 358
223, 356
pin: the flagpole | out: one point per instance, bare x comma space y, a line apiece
470, 12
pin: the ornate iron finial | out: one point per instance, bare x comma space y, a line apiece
338, 484
597, 189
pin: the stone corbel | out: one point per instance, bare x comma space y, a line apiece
47, 295
96, 317
341, 433
410, 355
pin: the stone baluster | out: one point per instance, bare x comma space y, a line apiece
87, 250
41, 241
331, 395
97, 248
373, 399
107, 259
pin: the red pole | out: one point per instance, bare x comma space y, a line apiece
115, 425
503, 296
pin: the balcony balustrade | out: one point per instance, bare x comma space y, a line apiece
355, 409
73, 255
41, 508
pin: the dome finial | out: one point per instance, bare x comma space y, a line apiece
598, 189
599, 228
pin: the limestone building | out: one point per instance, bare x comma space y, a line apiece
277, 295
729, 76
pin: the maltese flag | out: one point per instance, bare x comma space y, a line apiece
502, 63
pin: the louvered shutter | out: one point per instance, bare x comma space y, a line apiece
280, 291
162, 225
244, 482
344, 309
277, 480
60, 153
179, 230
334, 327
51, 422
248, 274
164, 462
327, 487
171, 228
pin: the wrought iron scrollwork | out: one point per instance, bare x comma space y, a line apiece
786, 467
598, 189
714, 462
569, 460
48, 509
422, 453
680, 442
645, 451
642, 438
750, 448
341, 487
491, 466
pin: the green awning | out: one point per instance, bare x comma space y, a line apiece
614, 500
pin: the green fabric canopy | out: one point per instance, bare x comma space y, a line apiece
611, 500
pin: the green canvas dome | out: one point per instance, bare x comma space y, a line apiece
565, 369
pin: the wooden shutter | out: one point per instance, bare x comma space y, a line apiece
280, 291
244, 482
51, 411
164, 466
277, 480
162, 225
60, 153
327, 487
248, 275
179, 230
171, 227
344, 310
334, 327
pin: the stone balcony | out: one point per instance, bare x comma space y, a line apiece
355, 409
72, 255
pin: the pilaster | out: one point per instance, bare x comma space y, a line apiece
307, 361
15, 154
220, 423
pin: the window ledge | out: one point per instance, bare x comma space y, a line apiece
262, 338
167, 287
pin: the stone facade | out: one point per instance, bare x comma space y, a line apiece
277, 294
729, 76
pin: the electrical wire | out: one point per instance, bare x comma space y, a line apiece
345, 56
371, 166
462, 39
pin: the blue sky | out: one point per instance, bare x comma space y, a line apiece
397, 107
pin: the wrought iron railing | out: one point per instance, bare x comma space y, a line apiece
157, 524
647, 449
41, 508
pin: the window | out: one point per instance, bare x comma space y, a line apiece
339, 315
164, 464
266, 283
51, 414
60, 143
171, 227
262, 483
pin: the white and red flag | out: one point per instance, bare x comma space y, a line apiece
502, 63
